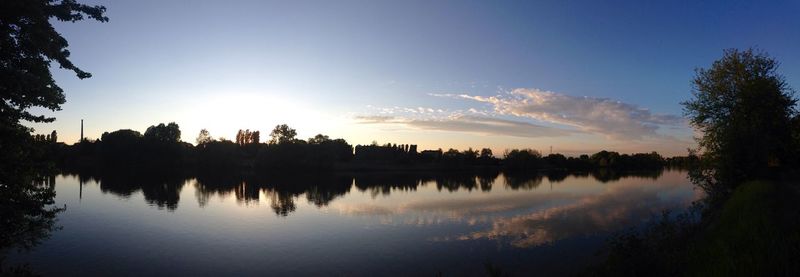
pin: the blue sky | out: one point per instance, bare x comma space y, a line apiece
435, 73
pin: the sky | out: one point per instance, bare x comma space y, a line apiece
577, 76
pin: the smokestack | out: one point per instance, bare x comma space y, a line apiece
81, 131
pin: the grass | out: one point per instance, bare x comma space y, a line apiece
757, 233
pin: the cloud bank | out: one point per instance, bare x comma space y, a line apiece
470, 124
603, 116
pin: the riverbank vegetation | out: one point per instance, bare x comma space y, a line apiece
29, 48
748, 224
160, 147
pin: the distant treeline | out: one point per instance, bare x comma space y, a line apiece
160, 147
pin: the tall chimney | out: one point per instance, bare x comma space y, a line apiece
81, 131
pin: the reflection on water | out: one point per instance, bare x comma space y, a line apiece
363, 224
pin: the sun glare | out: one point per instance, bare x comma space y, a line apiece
224, 114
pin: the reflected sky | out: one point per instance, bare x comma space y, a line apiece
386, 224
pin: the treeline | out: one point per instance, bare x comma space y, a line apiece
160, 147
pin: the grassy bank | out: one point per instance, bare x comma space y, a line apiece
756, 232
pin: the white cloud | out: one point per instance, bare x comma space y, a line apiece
603, 116
472, 124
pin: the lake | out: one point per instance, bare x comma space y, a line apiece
374, 224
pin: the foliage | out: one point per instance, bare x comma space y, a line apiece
322, 154
282, 134
518, 159
29, 44
486, 153
744, 110
163, 133
26, 213
204, 137
746, 114
318, 139
220, 155
244, 137
159, 147
121, 146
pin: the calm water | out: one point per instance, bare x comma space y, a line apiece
375, 224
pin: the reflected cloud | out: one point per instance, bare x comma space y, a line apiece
531, 215
458, 208
523, 209
611, 210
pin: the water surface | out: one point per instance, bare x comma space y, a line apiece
369, 224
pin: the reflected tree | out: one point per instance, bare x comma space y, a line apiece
556, 176
486, 179
282, 203
522, 180
160, 188
26, 213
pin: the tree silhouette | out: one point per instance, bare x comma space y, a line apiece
204, 137
486, 153
255, 137
29, 44
522, 159
163, 133
318, 139
245, 137
282, 134
744, 109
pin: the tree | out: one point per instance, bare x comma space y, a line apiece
163, 133
244, 137
743, 108
240, 137
204, 137
255, 137
318, 139
54, 137
470, 153
247, 137
28, 45
282, 134
486, 153
522, 159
